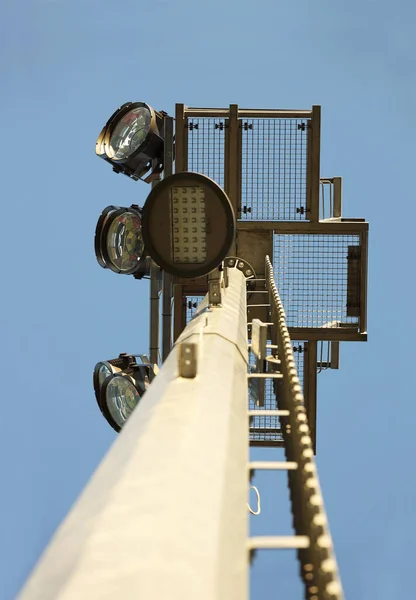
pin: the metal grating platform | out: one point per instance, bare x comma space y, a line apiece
311, 275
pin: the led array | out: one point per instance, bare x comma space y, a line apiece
188, 224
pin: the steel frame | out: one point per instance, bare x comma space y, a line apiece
335, 225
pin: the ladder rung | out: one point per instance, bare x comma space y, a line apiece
265, 375
270, 542
249, 324
268, 413
272, 465
256, 305
256, 280
258, 292
272, 359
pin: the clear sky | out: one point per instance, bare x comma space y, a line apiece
66, 66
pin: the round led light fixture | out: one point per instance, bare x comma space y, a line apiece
119, 244
105, 368
132, 139
120, 383
120, 396
188, 224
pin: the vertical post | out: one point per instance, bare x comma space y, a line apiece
154, 312
165, 514
181, 139
181, 164
337, 183
167, 278
232, 164
363, 281
314, 159
179, 311
310, 386
154, 327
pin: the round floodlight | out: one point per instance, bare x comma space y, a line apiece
132, 139
121, 392
119, 384
119, 242
188, 224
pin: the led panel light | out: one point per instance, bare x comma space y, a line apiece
188, 224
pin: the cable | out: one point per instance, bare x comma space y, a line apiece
258, 511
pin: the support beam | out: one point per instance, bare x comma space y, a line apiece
364, 281
179, 311
338, 334
154, 312
250, 113
167, 278
337, 183
314, 159
310, 387
165, 514
331, 227
167, 315
181, 139
232, 165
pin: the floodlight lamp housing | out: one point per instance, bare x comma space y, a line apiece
121, 390
108, 367
188, 224
132, 141
118, 242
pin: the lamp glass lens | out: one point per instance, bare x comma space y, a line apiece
103, 373
129, 133
125, 242
188, 224
122, 398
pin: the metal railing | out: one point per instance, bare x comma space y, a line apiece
318, 563
330, 205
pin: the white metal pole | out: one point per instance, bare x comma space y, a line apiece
165, 514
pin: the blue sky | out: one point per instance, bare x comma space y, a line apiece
65, 67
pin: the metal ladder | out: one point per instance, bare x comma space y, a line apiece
312, 539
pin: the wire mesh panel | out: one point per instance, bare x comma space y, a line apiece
311, 274
192, 303
274, 169
266, 430
206, 147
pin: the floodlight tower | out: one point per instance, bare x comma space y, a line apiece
266, 278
